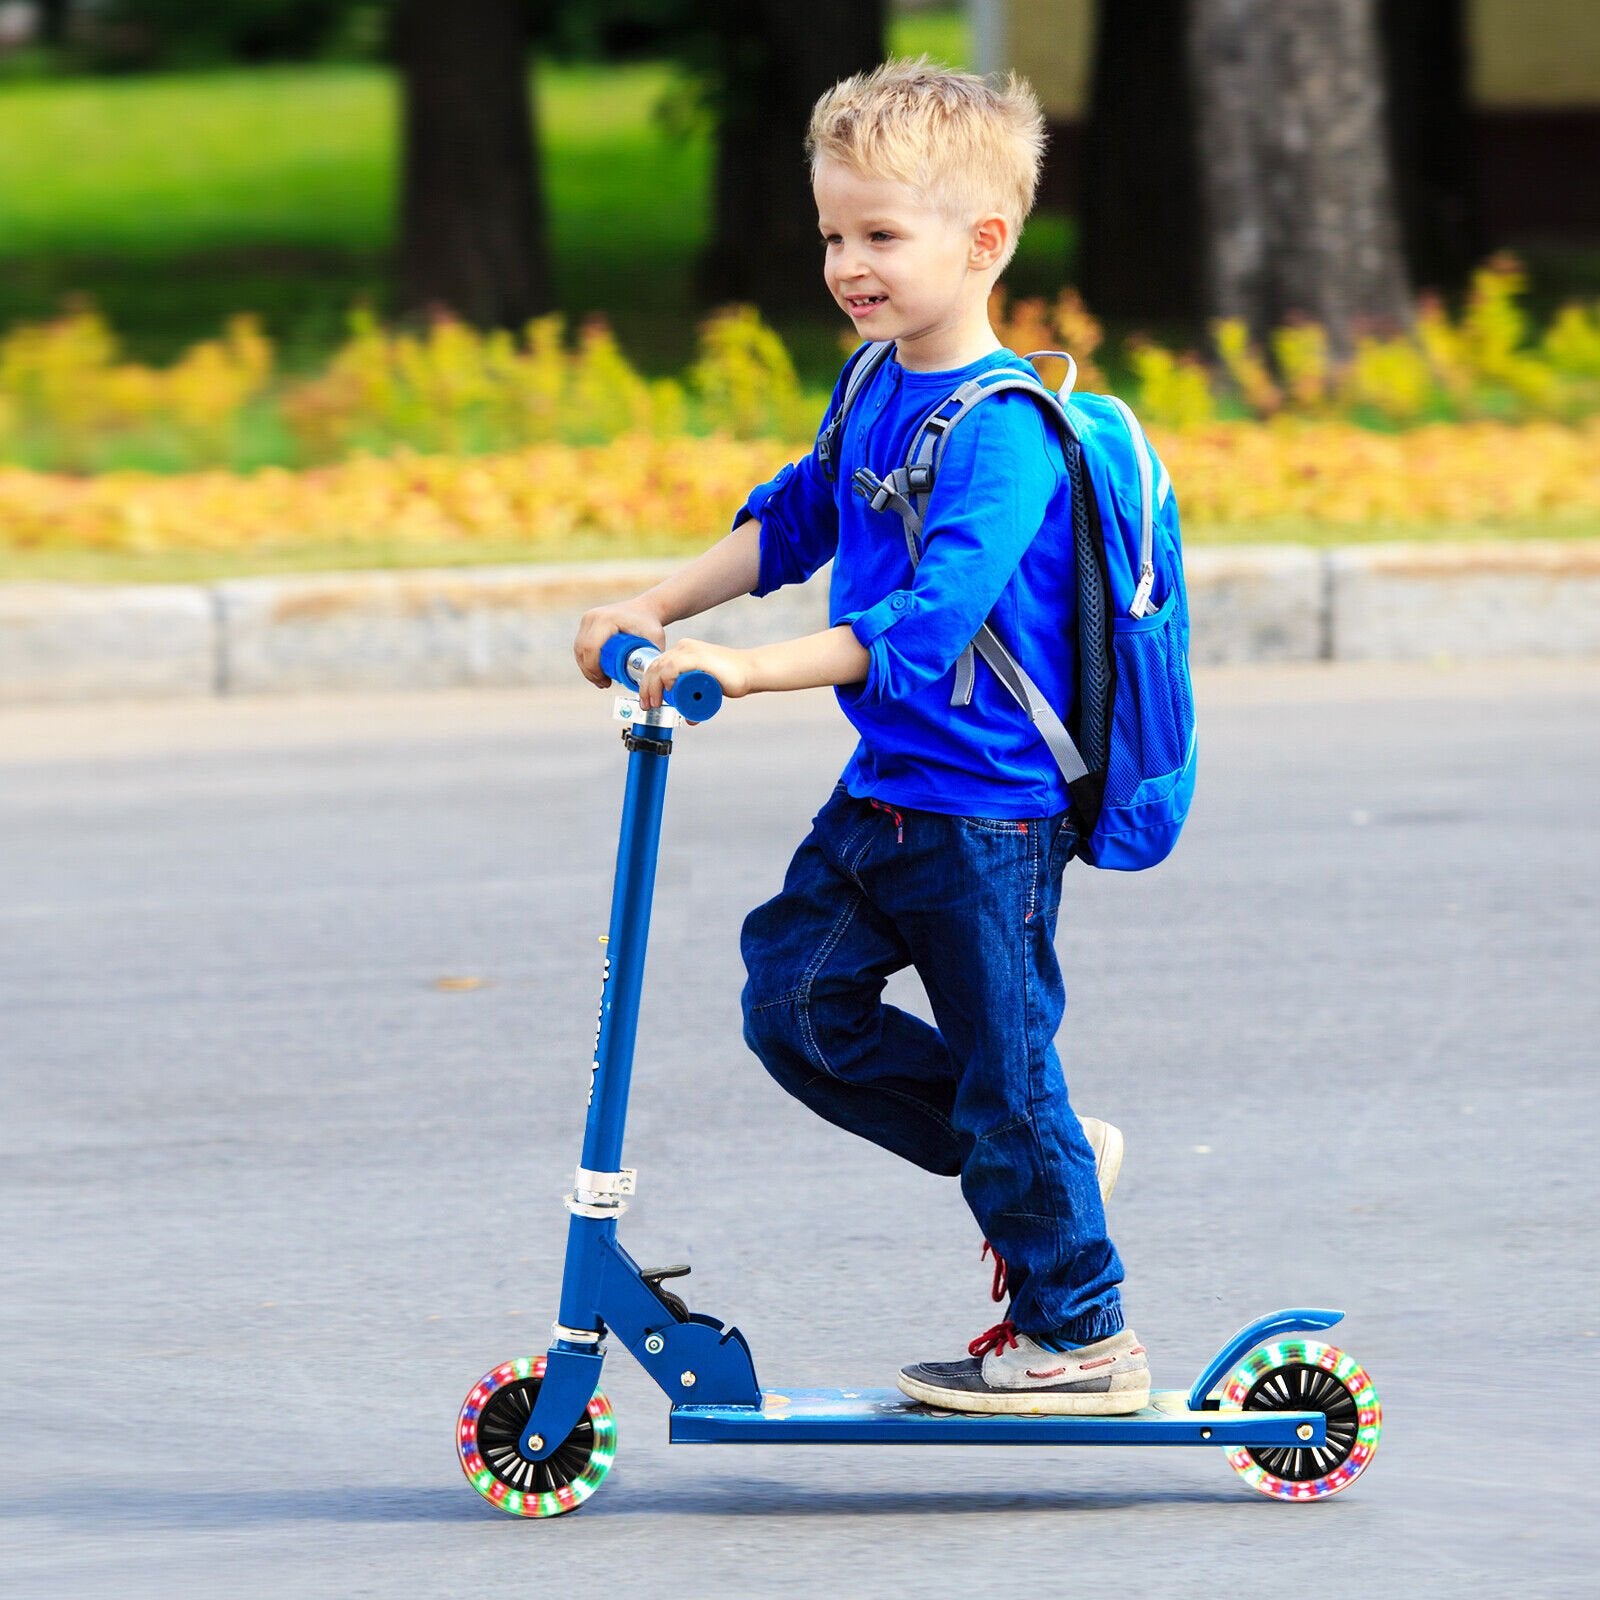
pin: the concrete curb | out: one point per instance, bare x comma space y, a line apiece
62, 641
473, 626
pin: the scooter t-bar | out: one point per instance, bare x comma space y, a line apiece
696, 696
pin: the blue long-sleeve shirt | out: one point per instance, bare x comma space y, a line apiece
1001, 481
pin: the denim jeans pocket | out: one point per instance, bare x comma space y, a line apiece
1065, 843
1017, 825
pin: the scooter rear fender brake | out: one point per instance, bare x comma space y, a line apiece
1271, 1326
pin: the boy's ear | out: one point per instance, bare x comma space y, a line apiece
990, 236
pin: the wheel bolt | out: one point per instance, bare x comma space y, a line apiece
1305, 1430
536, 1443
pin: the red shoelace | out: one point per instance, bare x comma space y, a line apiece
1003, 1335
997, 1290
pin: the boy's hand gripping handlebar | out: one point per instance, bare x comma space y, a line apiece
696, 696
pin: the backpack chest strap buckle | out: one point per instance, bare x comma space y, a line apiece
886, 494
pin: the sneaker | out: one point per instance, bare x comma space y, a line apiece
1106, 1142
1009, 1372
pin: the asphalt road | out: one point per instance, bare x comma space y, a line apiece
271, 1198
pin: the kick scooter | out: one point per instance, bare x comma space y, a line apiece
1297, 1419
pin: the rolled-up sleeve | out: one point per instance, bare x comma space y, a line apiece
994, 489
799, 524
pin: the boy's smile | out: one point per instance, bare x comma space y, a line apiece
901, 269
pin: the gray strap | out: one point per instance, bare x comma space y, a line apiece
966, 672
1026, 693
1141, 455
905, 491
1069, 382
867, 363
893, 494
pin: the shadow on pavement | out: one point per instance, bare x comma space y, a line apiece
242, 1508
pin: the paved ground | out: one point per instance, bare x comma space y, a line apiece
271, 1198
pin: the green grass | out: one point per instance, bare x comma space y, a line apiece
274, 190
141, 167
172, 201
175, 200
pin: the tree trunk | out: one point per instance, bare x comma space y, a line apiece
1300, 218
775, 59
1140, 254
1431, 139
55, 17
472, 230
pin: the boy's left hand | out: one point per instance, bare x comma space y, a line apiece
731, 668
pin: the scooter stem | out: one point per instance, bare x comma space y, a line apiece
622, 986
626, 941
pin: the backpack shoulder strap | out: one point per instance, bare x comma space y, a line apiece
864, 363
906, 490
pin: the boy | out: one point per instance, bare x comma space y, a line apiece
943, 846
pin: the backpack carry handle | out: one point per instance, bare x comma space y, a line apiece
1069, 380
696, 695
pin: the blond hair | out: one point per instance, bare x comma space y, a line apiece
968, 145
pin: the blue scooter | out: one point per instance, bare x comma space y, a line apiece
1296, 1418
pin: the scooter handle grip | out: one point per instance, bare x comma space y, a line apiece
696, 695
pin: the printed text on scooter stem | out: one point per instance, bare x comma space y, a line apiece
599, 1023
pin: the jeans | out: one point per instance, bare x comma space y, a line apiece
971, 904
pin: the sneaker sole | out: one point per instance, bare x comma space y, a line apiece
998, 1402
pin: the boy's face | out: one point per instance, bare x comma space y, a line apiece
901, 269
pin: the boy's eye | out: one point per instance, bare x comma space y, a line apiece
880, 236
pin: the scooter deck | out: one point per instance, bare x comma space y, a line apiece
885, 1416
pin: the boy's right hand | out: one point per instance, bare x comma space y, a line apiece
598, 625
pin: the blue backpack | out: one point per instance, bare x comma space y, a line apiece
1129, 763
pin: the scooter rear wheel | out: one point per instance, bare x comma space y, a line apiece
1303, 1375
490, 1427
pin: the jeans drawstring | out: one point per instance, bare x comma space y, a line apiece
899, 821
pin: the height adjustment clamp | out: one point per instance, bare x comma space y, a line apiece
634, 740
600, 1194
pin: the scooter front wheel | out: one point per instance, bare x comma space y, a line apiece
1303, 1375
488, 1437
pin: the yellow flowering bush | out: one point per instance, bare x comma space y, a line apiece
69, 400
66, 397
1175, 389
1337, 475
64, 382
639, 491
542, 496
548, 442
1481, 365
453, 389
745, 380
1063, 325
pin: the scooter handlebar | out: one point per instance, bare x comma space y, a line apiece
696, 695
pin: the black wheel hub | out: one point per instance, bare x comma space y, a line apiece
505, 1414
1297, 1386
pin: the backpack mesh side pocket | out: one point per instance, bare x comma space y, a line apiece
1154, 705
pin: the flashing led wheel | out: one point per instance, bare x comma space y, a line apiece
490, 1428
1302, 1375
